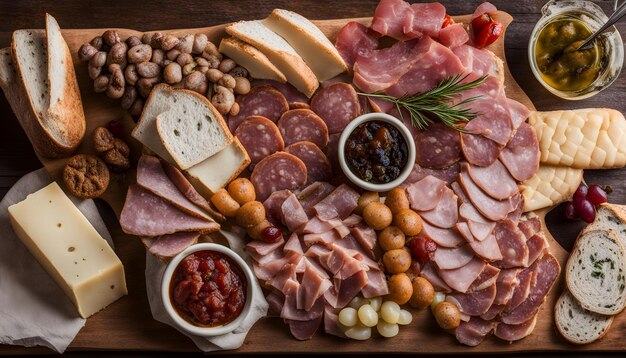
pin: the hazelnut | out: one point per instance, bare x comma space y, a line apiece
136, 108
214, 75
133, 41
227, 65
97, 42
101, 83
157, 56
155, 40
172, 54
234, 110
188, 68
242, 85
102, 139
223, 99
117, 83
129, 97
117, 54
131, 75
227, 81
185, 44
148, 69
168, 42
238, 71
144, 85
86, 52
111, 37
184, 58
147, 38
173, 73
140, 53
197, 82
199, 43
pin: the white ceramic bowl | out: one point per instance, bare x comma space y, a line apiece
404, 131
181, 322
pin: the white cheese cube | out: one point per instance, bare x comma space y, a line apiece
70, 249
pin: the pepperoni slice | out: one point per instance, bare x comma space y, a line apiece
263, 101
277, 172
260, 137
337, 104
437, 147
298, 125
317, 164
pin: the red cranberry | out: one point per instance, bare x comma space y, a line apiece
422, 249
271, 234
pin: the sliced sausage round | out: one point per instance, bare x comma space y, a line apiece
299, 105
260, 137
292, 95
263, 101
437, 147
277, 172
297, 125
521, 154
317, 164
479, 150
337, 104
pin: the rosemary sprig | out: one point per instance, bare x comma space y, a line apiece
437, 103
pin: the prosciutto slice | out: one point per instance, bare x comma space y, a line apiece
338, 204
494, 180
505, 285
522, 290
293, 214
425, 194
462, 278
473, 332
423, 19
382, 68
146, 214
453, 36
446, 214
312, 195
512, 244
530, 226
474, 303
429, 273
355, 40
521, 154
480, 230
389, 18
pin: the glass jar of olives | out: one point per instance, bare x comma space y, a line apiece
557, 62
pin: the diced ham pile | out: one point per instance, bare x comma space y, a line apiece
493, 263
326, 260
165, 210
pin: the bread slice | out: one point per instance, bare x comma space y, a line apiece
278, 51
252, 59
578, 325
610, 217
190, 137
187, 104
309, 41
596, 270
49, 82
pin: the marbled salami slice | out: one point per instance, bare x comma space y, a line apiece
317, 164
292, 95
437, 147
299, 105
297, 125
260, 137
337, 105
521, 154
263, 101
479, 150
277, 172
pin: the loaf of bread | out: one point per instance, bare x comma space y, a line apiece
576, 324
550, 186
595, 272
582, 138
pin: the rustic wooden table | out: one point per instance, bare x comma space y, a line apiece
17, 157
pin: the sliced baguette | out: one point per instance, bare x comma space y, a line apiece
257, 64
578, 325
49, 82
164, 98
596, 270
278, 51
309, 41
190, 137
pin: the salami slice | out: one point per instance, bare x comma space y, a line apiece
478, 150
437, 147
290, 92
299, 105
263, 101
298, 125
521, 155
317, 164
260, 137
337, 104
277, 172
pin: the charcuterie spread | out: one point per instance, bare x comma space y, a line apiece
359, 178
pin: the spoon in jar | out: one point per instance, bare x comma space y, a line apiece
617, 15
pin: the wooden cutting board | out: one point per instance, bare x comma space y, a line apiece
128, 324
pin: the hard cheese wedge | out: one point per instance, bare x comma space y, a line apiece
550, 186
70, 249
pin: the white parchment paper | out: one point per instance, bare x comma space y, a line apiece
34, 311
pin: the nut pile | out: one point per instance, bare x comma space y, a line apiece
128, 70
114, 151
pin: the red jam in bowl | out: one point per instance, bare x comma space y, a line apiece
208, 289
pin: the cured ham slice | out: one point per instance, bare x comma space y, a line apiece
146, 214
331, 319
376, 284
304, 330
446, 214
423, 19
389, 18
530, 226
292, 213
355, 40
437, 147
519, 113
468, 212
491, 208
338, 204
521, 154
480, 230
429, 273
350, 287
443, 237
462, 278
273, 206
313, 286
382, 68
515, 332
312, 195
365, 236
452, 258
537, 246
453, 36
317, 226
473, 332
488, 249
487, 277
151, 176
479, 150
293, 245
517, 201
260, 248
492, 312
418, 173
512, 244
505, 285
435, 63
522, 290
474, 303
494, 180
425, 194
168, 246
480, 62
546, 270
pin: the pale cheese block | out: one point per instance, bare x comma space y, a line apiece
70, 249
253, 60
550, 186
309, 41
215, 172
593, 138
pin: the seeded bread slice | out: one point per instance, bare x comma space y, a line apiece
596, 270
578, 325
